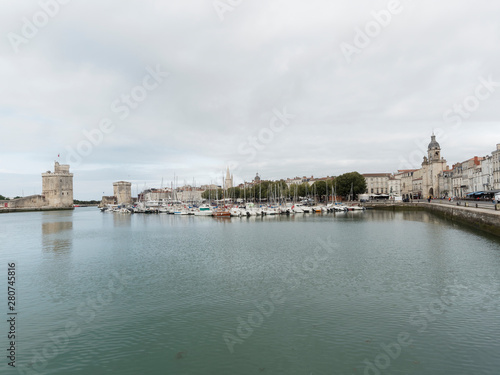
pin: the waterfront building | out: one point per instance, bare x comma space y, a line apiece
435, 178
445, 183
495, 159
300, 180
407, 182
411, 183
483, 180
432, 166
248, 185
107, 200
469, 170
383, 183
293, 181
210, 187
456, 178
122, 190
474, 175
377, 183
416, 184
465, 177
57, 191
480, 175
452, 182
394, 185
189, 194
156, 194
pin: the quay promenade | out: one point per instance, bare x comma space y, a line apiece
484, 217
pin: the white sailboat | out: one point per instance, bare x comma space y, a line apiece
297, 209
204, 210
235, 211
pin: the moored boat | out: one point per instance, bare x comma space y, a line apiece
204, 210
221, 212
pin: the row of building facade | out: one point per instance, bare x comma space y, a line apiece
435, 179
474, 177
122, 194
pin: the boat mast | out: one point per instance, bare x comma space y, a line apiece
260, 193
326, 193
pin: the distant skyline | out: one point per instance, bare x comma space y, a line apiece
140, 91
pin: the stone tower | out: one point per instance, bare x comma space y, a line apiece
432, 166
57, 187
122, 190
229, 179
434, 150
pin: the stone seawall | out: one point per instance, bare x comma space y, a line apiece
487, 220
29, 204
32, 201
8, 210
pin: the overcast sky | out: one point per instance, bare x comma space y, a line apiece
189, 87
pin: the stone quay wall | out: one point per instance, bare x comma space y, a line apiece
484, 219
27, 204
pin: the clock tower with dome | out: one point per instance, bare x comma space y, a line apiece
432, 166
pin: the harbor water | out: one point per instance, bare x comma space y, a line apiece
349, 293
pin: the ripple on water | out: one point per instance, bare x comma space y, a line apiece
190, 282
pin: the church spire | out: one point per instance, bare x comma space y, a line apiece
229, 179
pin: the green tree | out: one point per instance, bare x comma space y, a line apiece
350, 180
76, 201
320, 188
212, 194
234, 193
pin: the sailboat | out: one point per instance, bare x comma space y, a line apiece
352, 207
222, 211
204, 210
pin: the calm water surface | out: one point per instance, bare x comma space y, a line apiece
318, 294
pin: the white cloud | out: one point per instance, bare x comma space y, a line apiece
227, 77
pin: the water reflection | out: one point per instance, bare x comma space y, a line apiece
189, 279
57, 236
122, 220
